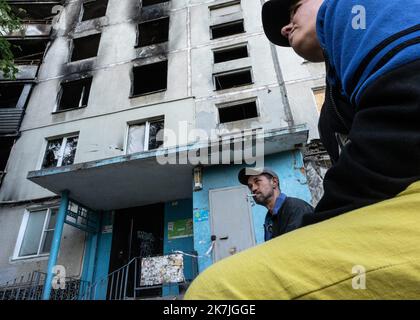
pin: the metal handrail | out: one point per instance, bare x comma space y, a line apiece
116, 282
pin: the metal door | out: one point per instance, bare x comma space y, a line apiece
231, 221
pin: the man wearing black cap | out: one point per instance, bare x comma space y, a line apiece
370, 65
284, 213
362, 241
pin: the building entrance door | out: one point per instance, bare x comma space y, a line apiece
137, 232
231, 221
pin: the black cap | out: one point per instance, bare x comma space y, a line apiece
275, 15
245, 173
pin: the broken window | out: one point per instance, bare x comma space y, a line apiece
153, 32
145, 136
6, 144
232, 79
232, 53
94, 9
150, 78
151, 2
38, 233
227, 29
86, 47
237, 112
60, 152
10, 94
74, 94
34, 12
225, 12
28, 51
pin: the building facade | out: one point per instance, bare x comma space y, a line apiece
133, 125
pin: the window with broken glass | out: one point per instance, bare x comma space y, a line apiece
74, 94
149, 78
145, 136
85, 47
10, 93
37, 232
153, 32
60, 152
146, 3
226, 19
94, 9
232, 79
238, 111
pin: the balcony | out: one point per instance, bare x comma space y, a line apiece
36, 17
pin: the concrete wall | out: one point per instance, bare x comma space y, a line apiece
70, 255
300, 78
264, 88
190, 95
99, 138
289, 167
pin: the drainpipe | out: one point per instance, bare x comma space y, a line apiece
280, 80
55, 246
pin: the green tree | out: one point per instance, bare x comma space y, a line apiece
8, 22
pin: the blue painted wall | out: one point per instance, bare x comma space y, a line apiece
178, 210
289, 167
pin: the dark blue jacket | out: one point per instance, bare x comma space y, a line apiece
289, 213
358, 57
370, 120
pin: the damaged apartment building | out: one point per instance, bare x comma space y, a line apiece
100, 83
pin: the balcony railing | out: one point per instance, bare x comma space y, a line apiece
125, 282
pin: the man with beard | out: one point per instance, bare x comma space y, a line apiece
362, 240
284, 213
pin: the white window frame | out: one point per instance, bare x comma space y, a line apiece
62, 148
146, 134
22, 231
60, 96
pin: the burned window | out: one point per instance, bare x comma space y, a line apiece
6, 144
28, 51
233, 53
151, 2
153, 32
74, 94
10, 94
145, 136
227, 29
34, 11
237, 112
150, 78
232, 79
60, 152
94, 9
86, 47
